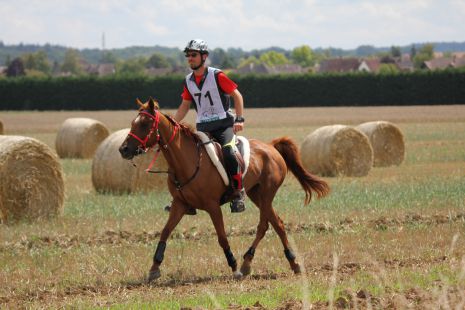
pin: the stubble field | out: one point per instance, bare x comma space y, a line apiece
392, 239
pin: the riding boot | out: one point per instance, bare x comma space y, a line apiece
238, 203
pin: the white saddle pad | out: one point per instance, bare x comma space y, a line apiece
216, 161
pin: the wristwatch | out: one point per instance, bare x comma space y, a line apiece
239, 119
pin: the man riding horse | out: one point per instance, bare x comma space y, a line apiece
211, 91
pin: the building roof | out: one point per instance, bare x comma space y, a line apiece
101, 69
373, 65
438, 63
459, 62
339, 65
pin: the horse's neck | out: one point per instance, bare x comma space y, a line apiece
181, 153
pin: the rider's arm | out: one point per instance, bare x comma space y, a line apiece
239, 107
182, 110
238, 102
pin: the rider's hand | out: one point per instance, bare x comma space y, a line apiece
238, 127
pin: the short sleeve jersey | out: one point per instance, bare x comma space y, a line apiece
225, 84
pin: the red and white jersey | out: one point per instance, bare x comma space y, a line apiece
211, 102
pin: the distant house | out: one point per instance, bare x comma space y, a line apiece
459, 62
252, 68
101, 69
2, 70
158, 71
405, 64
287, 69
438, 63
370, 65
339, 65
265, 69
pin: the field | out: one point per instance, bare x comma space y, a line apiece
392, 239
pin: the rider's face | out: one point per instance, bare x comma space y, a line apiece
194, 59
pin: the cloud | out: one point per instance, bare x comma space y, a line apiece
235, 23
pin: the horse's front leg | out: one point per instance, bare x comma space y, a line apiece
217, 218
177, 211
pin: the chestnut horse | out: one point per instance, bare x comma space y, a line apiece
194, 181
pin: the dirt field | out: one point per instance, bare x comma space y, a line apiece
391, 240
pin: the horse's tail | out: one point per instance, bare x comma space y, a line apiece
289, 151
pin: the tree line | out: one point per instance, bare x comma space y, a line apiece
39, 64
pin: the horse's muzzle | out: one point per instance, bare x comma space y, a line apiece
126, 152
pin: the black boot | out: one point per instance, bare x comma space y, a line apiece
238, 203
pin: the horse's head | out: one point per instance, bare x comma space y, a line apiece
144, 130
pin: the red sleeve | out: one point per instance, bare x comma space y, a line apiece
226, 84
186, 95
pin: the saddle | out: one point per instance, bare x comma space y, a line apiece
213, 148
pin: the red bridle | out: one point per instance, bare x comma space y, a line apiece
155, 122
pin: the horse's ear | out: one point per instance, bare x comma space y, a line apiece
139, 103
153, 104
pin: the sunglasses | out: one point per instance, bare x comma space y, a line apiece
191, 55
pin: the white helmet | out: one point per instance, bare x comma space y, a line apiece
198, 45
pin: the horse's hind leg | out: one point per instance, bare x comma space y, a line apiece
176, 213
278, 226
217, 218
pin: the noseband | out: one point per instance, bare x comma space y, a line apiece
143, 148
155, 122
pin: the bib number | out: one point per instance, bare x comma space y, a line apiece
207, 95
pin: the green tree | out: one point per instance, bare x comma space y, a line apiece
134, 66
395, 51
425, 53
220, 58
157, 60
37, 62
413, 52
71, 62
249, 60
303, 55
16, 68
108, 58
273, 58
388, 68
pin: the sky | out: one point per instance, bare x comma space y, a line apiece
246, 24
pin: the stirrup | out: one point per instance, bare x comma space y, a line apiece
238, 203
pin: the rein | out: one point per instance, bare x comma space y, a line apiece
145, 148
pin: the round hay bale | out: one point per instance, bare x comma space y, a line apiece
31, 179
337, 150
80, 137
387, 142
112, 173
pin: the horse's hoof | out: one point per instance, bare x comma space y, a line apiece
153, 275
245, 270
297, 269
237, 274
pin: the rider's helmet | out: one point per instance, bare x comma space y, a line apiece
198, 45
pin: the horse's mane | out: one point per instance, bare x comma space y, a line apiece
186, 128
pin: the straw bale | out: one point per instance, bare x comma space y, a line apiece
79, 137
31, 179
387, 142
112, 173
337, 150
